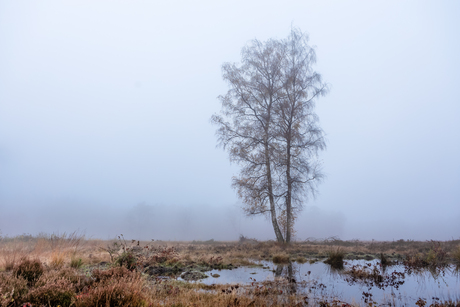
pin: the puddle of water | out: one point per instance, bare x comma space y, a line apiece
321, 281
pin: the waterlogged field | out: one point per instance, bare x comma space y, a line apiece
69, 270
393, 285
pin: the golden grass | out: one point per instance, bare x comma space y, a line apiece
59, 250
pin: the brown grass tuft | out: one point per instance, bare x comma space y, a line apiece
335, 258
123, 291
281, 258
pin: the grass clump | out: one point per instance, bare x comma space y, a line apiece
456, 255
123, 291
384, 260
76, 263
57, 259
301, 259
335, 258
436, 256
281, 258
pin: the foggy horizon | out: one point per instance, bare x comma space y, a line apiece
105, 118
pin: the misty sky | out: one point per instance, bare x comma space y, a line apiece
105, 109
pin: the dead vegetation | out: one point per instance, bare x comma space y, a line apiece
70, 270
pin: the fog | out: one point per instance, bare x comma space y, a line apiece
105, 108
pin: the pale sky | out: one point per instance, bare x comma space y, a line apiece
105, 108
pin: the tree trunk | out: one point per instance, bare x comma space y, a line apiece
276, 228
289, 191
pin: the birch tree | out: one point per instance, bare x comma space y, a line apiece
246, 125
298, 133
268, 127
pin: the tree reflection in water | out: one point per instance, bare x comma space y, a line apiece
289, 273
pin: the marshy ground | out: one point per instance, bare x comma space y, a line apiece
69, 270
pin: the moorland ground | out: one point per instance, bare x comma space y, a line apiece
70, 270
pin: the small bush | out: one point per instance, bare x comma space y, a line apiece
281, 258
335, 258
30, 270
12, 289
57, 293
77, 280
127, 259
126, 291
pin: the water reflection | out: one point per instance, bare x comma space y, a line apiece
289, 274
384, 284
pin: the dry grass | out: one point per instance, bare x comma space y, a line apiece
59, 250
72, 275
456, 255
281, 258
335, 257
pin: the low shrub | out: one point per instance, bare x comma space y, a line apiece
127, 259
125, 291
30, 270
77, 280
12, 289
57, 293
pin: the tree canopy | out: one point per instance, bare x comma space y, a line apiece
269, 128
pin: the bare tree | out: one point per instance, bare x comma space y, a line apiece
268, 127
297, 129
